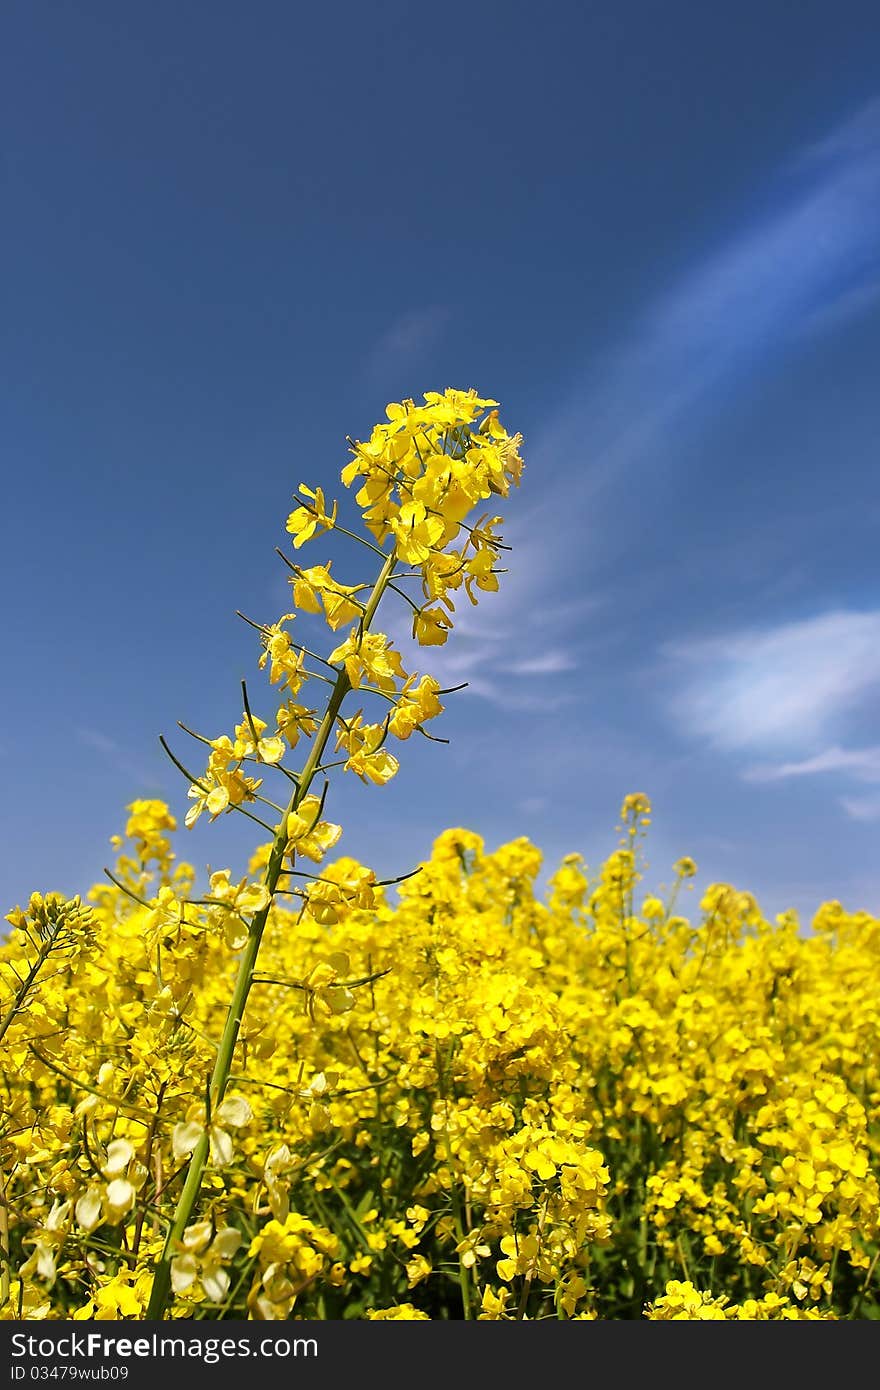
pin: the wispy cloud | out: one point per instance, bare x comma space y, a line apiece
778, 688
792, 693
548, 663
116, 755
479, 653
409, 338
861, 808
94, 738
811, 251
861, 763
850, 304
806, 262
853, 139
514, 649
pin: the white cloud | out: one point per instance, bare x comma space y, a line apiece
776, 689
850, 304
524, 632
853, 138
547, 663
861, 763
94, 738
788, 689
805, 266
861, 808
405, 341
115, 754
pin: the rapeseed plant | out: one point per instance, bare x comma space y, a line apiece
300, 1095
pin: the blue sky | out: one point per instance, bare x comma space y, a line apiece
231, 235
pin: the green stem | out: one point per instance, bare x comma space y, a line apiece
4, 1245
22, 993
244, 979
460, 1232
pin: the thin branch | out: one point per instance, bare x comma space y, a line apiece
289, 563
249, 717
310, 989
387, 882
263, 628
140, 1115
257, 762
434, 738
179, 765
250, 815
414, 606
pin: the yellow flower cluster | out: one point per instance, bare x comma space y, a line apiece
465, 1098
419, 476
681, 1302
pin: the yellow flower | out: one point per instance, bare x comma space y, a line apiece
369, 656
284, 659
416, 532
308, 835
202, 1256
315, 587
233, 1113
417, 1269
267, 750
417, 704
114, 1300
401, 1312
431, 627
366, 755
324, 986
493, 1303
310, 520
293, 720
235, 902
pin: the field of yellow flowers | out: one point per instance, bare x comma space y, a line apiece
305, 1093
